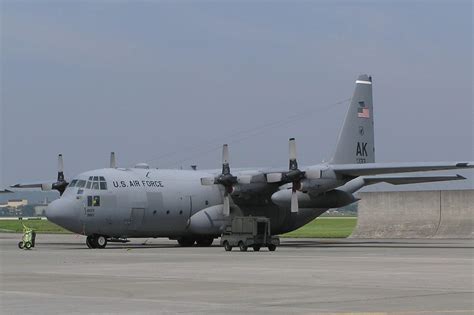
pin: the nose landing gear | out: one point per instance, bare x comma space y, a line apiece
96, 241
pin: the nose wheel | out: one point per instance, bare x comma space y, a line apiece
96, 241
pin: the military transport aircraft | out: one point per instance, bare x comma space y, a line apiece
191, 206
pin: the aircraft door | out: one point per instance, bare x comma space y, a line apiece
136, 219
87, 217
153, 221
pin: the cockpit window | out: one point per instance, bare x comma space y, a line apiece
73, 183
103, 186
94, 182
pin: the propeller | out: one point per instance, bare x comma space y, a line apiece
293, 176
113, 163
226, 179
61, 184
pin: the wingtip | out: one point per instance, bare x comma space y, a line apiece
460, 176
465, 164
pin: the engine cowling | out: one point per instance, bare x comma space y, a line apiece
208, 221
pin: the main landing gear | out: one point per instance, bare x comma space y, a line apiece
200, 242
96, 241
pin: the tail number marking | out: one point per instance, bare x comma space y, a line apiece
361, 149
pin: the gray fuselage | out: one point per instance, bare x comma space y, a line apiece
139, 202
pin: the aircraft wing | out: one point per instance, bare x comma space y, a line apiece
402, 180
354, 170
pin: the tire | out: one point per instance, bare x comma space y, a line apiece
242, 246
205, 242
227, 246
256, 248
27, 245
272, 247
90, 242
21, 245
186, 242
100, 241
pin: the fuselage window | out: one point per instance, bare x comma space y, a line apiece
81, 183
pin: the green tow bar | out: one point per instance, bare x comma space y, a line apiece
29, 236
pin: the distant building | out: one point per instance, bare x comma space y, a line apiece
17, 203
13, 207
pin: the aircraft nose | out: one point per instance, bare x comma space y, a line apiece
63, 212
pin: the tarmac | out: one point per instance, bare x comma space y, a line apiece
303, 276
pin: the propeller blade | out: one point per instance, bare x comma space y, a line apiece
113, 164
225, 160
60, 168
46, 187
226, 210
292, 149
60, 163
294, 201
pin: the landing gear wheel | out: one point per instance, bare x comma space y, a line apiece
256, 248
27, 245
90, 242
21, 245
227, 246
272, 247
205, 242
242, 246
186, 242
101, 241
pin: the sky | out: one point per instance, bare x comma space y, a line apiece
168, 82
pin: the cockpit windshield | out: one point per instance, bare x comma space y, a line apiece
94, 182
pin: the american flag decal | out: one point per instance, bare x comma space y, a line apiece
362, 110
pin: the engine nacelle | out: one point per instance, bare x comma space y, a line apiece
316, 186
208, 221
331, 199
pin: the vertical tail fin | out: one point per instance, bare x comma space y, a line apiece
356, 139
